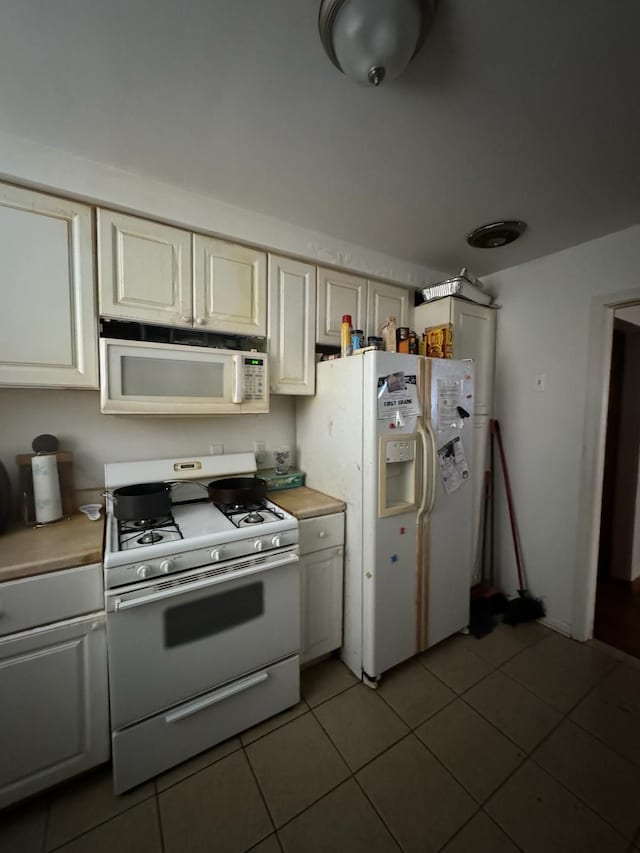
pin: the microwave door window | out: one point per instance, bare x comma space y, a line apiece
165, 377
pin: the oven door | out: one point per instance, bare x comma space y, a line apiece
174, 639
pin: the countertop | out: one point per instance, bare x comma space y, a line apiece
26, 551
306, 503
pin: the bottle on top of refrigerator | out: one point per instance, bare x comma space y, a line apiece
346, 346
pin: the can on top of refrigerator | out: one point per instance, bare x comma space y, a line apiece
357, 339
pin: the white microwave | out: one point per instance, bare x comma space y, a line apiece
142, 378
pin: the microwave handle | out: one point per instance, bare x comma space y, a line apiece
237, 395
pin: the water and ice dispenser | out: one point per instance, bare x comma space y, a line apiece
398, 475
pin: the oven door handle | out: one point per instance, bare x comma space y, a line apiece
220, 695
121, 603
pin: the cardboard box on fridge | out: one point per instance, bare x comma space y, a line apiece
439, 341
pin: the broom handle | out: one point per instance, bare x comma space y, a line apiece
495, 429
492, 524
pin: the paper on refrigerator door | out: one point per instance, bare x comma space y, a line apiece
450, 396
397, 396
453, 464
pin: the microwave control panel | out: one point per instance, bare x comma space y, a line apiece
255, 381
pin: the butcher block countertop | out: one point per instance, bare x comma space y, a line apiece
306, 503
26, 551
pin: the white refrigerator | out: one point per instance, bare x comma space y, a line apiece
391, 435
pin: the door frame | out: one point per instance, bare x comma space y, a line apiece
601, 319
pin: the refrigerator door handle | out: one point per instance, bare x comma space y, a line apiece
425, 473
434, 469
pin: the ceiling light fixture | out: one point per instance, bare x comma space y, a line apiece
496, 234
373, 40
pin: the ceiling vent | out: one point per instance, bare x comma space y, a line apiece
496, 234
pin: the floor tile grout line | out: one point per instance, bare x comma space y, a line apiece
511, 657
410, 732
260, 791
275, 728
581, 799
47, 819
199, 770
593, 734
379, 815
101, 823
495, 823
159, 818
524, 749
459, 829
546, 701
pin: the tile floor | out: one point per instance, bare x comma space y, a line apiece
523, 740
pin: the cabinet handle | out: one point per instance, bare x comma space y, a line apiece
201, 321
340, 552
322, 534
186, 318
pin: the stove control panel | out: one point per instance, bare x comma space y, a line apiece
180, 561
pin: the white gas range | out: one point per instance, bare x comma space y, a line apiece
202, 616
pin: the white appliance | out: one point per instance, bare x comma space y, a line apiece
382, 432
203, 616
140, 377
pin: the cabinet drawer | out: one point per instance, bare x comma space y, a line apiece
51, 597
325, 531
147, 748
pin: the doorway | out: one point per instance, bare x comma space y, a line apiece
617, 603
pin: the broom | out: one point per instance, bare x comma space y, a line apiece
486, 600
524, 608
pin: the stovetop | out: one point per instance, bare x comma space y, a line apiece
197, 532
194, 520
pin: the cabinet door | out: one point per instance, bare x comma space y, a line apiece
339, 293
435, 313
55, 703
474, 336
144, 270
230, 287
291, 326
321, 591
49, 327
387, 300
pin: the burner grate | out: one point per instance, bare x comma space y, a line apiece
148, 531
247, 515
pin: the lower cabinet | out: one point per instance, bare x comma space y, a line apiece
321, 568
53, 683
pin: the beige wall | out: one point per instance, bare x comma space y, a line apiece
543, 327
93, 438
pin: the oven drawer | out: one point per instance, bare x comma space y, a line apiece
325, 531
148, 748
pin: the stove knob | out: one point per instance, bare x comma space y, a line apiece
258, 545
216, 554
166, 566
142, 571
276, 541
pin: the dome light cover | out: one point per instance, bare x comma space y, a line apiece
373, 40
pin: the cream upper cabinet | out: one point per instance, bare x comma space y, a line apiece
230, 287
369, 302
474, 336
387, 300
49, 329
144, 270
339, 293
291, 326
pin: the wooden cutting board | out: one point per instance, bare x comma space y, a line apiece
305, 502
